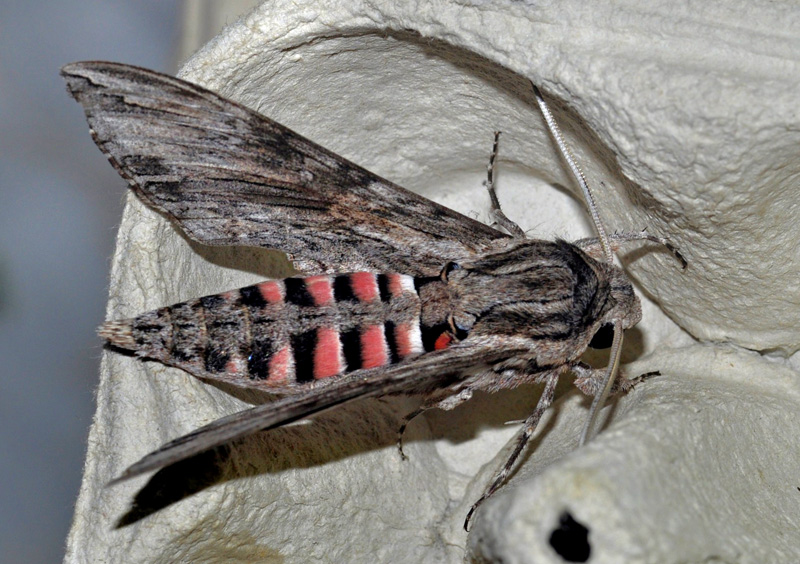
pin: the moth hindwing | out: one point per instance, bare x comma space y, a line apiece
401, 295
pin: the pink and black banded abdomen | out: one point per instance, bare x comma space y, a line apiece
284, 333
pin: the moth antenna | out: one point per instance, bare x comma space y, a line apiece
616, 346
555, 131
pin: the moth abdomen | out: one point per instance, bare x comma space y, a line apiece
282, 334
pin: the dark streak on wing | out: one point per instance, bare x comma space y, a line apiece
229, 176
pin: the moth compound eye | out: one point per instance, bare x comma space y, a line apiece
604, 336
448, 268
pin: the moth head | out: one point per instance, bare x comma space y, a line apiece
622, 305
627, 307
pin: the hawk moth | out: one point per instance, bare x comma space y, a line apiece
398, 294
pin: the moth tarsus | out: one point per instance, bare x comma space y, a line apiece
405, 295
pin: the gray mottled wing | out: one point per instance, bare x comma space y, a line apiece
430, 371
229, 176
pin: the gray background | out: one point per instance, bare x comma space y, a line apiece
60, 203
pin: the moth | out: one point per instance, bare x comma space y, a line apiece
398, 294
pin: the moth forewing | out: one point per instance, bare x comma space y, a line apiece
227, 175
408, 296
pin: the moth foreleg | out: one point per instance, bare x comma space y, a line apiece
593, 247
590, 380
501, 218
528, 428
310, 267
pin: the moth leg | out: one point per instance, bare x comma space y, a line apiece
525, 434
501, 219
401, 431
594, 248
590, 380
440, 401
308, 267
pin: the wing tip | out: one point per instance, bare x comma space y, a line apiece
81, 69
79, 74
131, 471
125, 476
